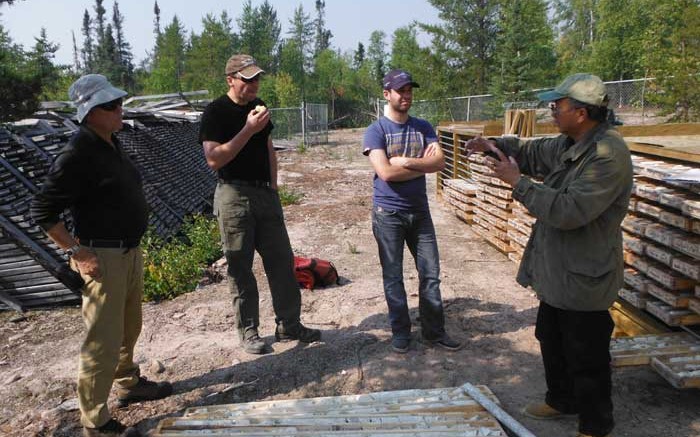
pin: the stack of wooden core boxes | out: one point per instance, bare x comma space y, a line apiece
662, 243
493, 205
460, 194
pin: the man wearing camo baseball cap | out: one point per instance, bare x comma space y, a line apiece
573, 259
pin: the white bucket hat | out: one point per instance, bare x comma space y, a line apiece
92, 90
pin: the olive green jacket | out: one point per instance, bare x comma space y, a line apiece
573, 259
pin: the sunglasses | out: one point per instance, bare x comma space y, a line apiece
112, 105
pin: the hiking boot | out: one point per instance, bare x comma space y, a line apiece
298, 332
400, 345
542, 411
445, 342
112, 428
253, 344
144, 390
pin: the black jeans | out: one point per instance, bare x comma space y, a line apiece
575, 349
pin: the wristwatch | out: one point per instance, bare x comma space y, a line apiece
73, 250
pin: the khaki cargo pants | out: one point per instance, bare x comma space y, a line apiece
112, 316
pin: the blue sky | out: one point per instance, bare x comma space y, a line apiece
351, 21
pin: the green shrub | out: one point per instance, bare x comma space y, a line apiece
289, 196
175, 266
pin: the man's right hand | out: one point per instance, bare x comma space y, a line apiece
256, 121
479, 144
88, 263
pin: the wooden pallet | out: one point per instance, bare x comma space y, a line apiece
682, 371
432, 412
639, 350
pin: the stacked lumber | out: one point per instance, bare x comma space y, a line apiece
675, 356
492, 206
682, 371
460, 194
520, 122
519, 230
639, 350
661, 237
445, 412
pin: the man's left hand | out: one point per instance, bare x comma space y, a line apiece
504, 168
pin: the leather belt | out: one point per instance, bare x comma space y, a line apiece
245, 183
110, 244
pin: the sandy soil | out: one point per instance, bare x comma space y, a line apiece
192, 335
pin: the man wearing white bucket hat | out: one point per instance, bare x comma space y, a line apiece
95, 178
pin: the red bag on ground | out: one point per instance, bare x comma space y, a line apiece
314, 272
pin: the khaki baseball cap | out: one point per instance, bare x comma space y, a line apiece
584, 87
245, 65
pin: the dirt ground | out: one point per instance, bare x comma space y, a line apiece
192, 335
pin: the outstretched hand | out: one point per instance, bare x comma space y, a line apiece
504, 168
478, 144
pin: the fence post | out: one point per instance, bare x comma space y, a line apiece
644, 116
469, 107
303, 121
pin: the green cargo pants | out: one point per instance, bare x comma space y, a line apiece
251, 219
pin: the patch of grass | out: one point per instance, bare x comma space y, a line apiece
352, 248
175, 266
289, 196
302, 147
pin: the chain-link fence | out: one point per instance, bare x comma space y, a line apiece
630, 99
306, 125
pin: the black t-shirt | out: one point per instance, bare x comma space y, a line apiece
221, 121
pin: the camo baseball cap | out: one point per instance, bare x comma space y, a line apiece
584, 87
245, 65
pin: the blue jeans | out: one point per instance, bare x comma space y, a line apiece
391, 229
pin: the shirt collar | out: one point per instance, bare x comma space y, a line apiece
574, 152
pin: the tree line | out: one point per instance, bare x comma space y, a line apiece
500, 47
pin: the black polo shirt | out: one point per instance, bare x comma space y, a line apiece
100, 185
221, 121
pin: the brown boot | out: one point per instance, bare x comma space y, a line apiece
542, 411
144, 390
112, 428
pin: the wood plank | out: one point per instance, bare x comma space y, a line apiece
639, 350
682, 371
634, 322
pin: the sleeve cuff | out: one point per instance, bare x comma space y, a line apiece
521, 188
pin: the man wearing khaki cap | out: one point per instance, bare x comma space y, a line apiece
235, 132
95, 178
573, 259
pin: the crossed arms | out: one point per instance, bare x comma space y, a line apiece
400, 168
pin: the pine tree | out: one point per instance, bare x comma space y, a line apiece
156, 20
322, 40
301, 31
524, 51
40, 59
204, 65
88, 51
466, 41
76, 56
122, 51
168, 60
377, 56
359, 57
